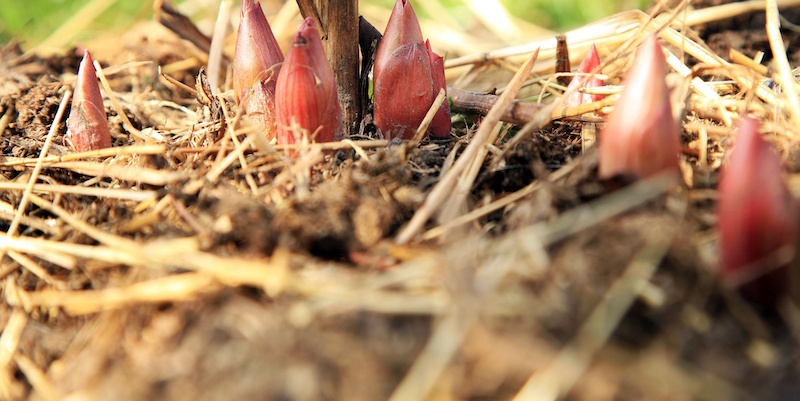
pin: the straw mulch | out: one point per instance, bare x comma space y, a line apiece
195, 261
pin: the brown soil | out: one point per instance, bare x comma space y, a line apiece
303, 293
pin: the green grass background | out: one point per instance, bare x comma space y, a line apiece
31, 21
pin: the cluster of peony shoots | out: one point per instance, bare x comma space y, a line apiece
289, 98
296, 97
757, 216
408, 76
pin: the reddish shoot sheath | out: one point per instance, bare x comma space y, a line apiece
757, 216
306, 91
641, 137
407, 78
588, 65
87, 125
256, 64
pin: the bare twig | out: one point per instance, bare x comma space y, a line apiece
519, 112
169, 16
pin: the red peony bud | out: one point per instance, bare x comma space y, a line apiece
440, 126
641, 136
757, 216
306, 90
589, 63
256, 64
87, 125
403, 82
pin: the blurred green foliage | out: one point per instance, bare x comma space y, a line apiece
566, 14
33, 20
559, 15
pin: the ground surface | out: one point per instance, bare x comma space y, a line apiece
261, 277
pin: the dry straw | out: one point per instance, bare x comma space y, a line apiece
159, 177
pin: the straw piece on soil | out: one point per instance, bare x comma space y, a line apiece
739, 58
426, 122
384, 302
9, 340
174, 288
358, 149
38, 379
49, 226
33, 267
120, 112
8, 161
124, 173
96, 233
65, 254
497, 204
779, 55
223, 164
115, 193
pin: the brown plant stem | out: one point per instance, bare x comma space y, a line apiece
562, 60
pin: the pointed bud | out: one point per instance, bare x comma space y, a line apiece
440, 126
306, 90
403, 84
87, 125
757, 216
588, 65
256, 64
641, 137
